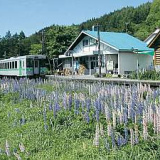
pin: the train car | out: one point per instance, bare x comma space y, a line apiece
28, 65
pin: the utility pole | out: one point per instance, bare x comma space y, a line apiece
43, 41
99, 51
44, 51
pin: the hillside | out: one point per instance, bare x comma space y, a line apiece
139, 22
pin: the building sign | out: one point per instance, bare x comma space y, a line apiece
109, 65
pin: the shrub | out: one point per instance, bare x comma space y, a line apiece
96, 75
146, 75
108, 75
103, 74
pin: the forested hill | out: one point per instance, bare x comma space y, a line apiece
139, 22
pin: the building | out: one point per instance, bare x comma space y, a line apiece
120, 52
153, 41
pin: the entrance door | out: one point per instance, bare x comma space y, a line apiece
20, 68
36, 66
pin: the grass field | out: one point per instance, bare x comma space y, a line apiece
61, 120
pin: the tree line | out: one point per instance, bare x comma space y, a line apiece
138, 21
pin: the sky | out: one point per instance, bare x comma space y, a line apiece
32, 15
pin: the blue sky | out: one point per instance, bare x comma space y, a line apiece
33, 15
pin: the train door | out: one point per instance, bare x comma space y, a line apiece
36, 67
20, 67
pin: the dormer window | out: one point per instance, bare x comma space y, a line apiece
85, 42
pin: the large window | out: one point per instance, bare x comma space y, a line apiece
29, 62
42, 62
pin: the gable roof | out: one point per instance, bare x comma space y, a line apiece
117, 41
150, 40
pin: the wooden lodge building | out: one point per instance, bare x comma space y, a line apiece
153, 41
121, 53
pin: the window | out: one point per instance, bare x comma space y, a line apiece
36, 63
29, 62
10, 65
92, 41
85, 42
42, 62
15, 64
5, 65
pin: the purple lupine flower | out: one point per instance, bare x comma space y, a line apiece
70, 102
113, 139
50, 106
76, 109
56, 108
125, 116
83, 107
88, 104
119, 141
97, 115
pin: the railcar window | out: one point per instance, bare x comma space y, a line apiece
7, 65
36, 63
15, 64
42, 62
29, 62
10, 65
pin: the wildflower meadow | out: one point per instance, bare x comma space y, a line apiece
46, 119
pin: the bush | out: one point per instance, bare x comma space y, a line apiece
96, 75
103, 74
146, 75
108, 75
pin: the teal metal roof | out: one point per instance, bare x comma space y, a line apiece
121, 41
